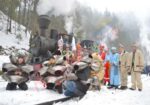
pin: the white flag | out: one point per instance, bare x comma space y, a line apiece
73, 44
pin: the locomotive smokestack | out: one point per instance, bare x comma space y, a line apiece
44, 22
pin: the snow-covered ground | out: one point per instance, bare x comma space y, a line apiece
10, 40
3, 59
116, 97
38, 94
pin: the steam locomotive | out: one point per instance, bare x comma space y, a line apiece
44, 45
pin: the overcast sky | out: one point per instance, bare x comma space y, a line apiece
118, 5
141, 8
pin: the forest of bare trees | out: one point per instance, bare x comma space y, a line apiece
22, 11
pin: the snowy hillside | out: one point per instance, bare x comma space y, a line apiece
3, 59
38, 94
13, 38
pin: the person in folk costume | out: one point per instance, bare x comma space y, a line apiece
60, 44
85, 51
74, 50
52, 72
79, 51
68, 54
18, 71
102, 52
107, 67
123, 66
136, 66
100, 72
114, 72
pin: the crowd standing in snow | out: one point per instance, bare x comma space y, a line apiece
73, 72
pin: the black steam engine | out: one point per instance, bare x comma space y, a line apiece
44, 45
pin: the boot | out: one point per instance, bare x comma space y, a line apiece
116, 87
23, 86
131, 89
108, 83
78, 93
50, 86
58, 88
110, 87
123, 87
11, 86
104, 83
139, 89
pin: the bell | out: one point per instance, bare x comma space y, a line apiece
95, 67
81, 65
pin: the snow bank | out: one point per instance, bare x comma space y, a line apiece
10, 41
13, 38
3, 59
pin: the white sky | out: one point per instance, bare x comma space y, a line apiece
141, 8
118, 5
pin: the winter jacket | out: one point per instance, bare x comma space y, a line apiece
138, 61
123, 59
99, 73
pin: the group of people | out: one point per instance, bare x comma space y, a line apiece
119, 63
75, 72
123, 63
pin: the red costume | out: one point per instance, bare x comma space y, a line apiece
107, 72
106, 64
102, 52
